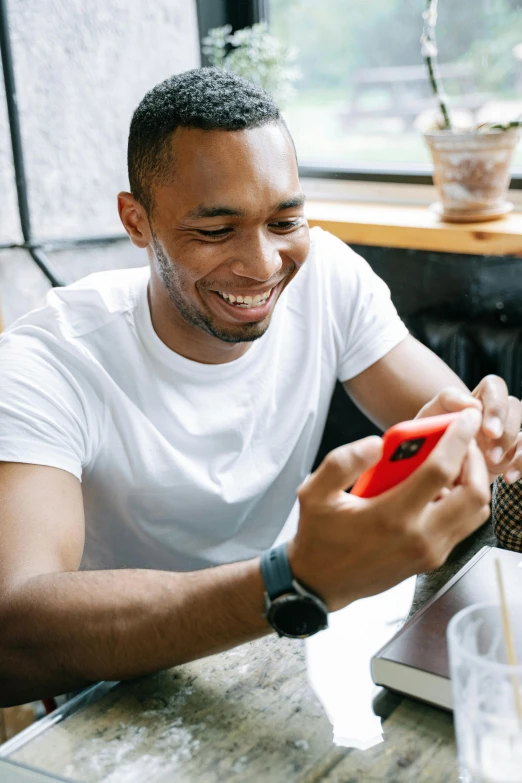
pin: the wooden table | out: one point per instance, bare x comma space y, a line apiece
243, 716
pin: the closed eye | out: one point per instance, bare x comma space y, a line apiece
218, 233
281, 225
285, 224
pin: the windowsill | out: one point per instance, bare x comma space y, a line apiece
402, 225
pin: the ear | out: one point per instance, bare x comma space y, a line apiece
134, 219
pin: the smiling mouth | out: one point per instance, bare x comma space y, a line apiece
245, 301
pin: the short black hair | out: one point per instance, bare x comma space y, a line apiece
205, 98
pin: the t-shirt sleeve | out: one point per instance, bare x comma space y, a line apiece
46, 414
369, 325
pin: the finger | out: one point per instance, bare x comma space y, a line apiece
475, 473
493, 393
454, 519
343, 466
466, 506
497, 452
513, 471
442, 467
450, 400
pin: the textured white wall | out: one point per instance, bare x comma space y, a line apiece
81, 67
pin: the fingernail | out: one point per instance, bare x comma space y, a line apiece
495, 426
511, 476
496, 454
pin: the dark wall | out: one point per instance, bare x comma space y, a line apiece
467, 309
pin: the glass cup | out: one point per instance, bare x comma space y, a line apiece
487, 720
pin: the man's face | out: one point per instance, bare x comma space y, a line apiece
228, 232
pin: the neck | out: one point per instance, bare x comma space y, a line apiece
182, 338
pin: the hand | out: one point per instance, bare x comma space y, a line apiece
499, 438
348, 547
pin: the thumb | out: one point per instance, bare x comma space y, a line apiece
341, 467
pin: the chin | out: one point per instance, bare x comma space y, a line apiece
242, 334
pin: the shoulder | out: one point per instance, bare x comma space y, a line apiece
86, 305
333, 259
334, 278
329, 248
96, 300
336, 272
58, 336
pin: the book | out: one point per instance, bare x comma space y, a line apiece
14, 772
415, 661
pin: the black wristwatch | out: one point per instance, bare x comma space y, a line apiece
291, 609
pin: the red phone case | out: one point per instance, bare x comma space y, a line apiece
387, 473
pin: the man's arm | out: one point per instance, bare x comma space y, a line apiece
62, 629
397, 386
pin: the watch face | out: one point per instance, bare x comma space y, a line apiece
296, 616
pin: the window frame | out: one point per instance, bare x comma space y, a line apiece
243, 13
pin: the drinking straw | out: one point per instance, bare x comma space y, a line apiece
508, 639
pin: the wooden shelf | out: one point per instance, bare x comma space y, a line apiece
418, 228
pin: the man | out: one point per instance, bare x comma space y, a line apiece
190, 400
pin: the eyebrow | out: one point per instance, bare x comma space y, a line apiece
223, 211
214, 211
291, 203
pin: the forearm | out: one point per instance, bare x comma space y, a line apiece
62, 631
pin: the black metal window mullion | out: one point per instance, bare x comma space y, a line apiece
29, 244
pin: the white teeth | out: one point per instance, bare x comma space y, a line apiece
246, 301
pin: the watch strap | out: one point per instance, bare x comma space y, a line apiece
276, 572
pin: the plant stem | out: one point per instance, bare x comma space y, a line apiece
429, 50
436, 87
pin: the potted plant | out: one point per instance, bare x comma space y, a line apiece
256, 55
471, 168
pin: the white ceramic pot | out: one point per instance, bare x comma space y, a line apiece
471, 172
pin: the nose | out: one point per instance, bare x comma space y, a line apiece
259, 259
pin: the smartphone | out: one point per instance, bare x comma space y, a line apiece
406, 446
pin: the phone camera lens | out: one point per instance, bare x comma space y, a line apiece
408, 449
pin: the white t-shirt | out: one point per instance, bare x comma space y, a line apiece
186, 465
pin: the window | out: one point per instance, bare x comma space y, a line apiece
364, 91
